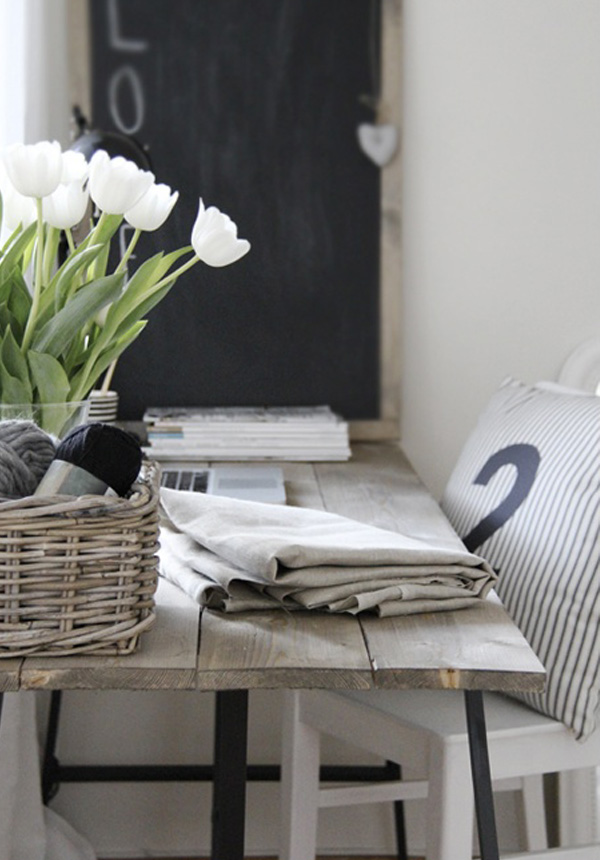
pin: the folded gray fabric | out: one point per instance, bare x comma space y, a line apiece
236, 555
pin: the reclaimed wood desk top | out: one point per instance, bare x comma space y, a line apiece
477, 648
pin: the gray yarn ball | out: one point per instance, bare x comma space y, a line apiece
26, 451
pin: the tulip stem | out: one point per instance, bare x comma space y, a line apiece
129, 251
70, 240
108, 376
93, 268
99, 224
172, 275
50, 252
37, 287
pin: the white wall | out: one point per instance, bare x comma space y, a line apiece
501, 206
34, 102
12, 68
502, 250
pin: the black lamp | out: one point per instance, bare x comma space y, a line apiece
88, 141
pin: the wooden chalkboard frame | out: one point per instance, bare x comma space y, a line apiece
386, 426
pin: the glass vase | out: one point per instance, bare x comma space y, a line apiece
55, 418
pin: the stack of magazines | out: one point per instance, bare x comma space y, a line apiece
244, 433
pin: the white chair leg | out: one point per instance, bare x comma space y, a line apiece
534, 807
578, 806
299, 784
450, 804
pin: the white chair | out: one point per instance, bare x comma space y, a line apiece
424, 730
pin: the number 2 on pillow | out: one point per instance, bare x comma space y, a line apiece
526, 458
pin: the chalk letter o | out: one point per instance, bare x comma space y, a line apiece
126, 75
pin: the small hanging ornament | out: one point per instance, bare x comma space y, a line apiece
378, 139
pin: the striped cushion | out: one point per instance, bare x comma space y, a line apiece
525, 494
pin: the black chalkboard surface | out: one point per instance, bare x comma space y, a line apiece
252, 105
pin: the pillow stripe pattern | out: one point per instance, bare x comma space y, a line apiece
546, 547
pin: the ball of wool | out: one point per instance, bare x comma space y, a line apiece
107, 452
26, 451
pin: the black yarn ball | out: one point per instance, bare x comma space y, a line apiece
110, 454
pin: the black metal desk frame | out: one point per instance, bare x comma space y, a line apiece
230, 775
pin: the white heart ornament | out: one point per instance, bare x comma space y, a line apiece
379, 142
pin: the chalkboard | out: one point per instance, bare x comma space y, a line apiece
252, 105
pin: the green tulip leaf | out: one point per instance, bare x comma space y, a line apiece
143, 308
12, 389
61, 285
17, 250
149, 272
76, 355
56, 335
138, 297
48, 377
5, 289
15, 363
118, 346
6, 318
106, 228
100, 264
19, 301
91, 372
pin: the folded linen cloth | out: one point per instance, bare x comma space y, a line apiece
235, 555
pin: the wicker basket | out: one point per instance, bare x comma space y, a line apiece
78, 575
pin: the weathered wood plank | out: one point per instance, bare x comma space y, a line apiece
301, 486
282, 649
379, 486
478, 648
166, 658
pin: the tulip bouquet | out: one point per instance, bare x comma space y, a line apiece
64, 323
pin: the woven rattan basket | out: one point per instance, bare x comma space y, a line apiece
78, 575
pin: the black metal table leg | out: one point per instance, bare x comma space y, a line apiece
482, 780
50, 762
1, 698
399, 819
229, 786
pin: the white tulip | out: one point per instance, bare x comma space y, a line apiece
66, 206
18, 210
34, 169
152, 210
214, 238
116, 184
75, 167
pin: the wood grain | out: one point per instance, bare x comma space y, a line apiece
379, 486
474, 648
282, 649
301, 486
